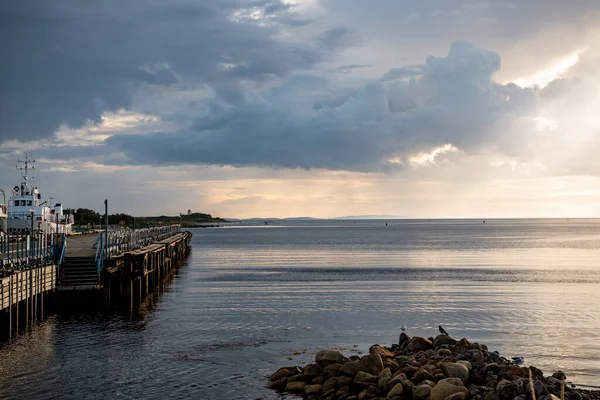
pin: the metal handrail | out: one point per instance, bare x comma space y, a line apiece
123, 240
22, 252
99, 259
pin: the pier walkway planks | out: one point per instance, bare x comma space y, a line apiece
82, 245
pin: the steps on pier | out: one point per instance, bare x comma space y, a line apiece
78, 273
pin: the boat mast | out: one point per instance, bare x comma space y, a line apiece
25, 167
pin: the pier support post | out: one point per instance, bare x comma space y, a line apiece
18, 285
10, 305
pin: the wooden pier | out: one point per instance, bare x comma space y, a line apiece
23, 295
119, 270
126, 270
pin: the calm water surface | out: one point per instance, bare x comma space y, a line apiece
251, 299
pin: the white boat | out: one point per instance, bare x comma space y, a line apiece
27, 211
3, 214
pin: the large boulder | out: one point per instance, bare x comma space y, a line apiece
457, 396
280, 373
447, 387
326, 357
365, 379
312, 371
332, 370
312, 390
456, 370
343, 381
553, 381
295, 387
421, 344
422, 375
466, 364
351, 368
279, 384
443, 353
559, 375
392, 365
330, 384
441, 340
374, 363
507, 389
421, 392
382, 351
474, 355
404, 338
397, 390
386, 373
539, 387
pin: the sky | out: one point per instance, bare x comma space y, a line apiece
322, 108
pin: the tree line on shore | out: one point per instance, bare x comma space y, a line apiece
85, 216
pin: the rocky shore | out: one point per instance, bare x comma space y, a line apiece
417, 368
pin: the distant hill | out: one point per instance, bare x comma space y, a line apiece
274, 219
373, 217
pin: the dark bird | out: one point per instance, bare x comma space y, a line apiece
442, 330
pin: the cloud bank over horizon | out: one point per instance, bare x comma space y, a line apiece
282, 91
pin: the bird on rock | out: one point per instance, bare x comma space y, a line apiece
442, 330
517, 360
403, 327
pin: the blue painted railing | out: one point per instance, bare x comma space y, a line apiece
21, 252
99, 259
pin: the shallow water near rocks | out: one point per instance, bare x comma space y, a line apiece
254, 298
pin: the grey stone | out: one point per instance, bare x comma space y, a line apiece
352, 367
295, 387
422, 375
456, 370
374, 363
447, 387
312, 370
364, 378
507, 389
327, 357
397, 390
441, 340
312, 390
443, 353
421, 392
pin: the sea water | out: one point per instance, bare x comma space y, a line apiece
254, 297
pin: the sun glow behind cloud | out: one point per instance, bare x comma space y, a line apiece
543, 77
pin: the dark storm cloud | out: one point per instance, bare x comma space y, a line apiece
67, 62
453, 100
247, 93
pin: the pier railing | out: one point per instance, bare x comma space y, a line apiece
22, 252
124, 240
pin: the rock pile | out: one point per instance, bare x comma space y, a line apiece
440, 368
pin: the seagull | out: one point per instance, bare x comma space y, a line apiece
403, 328
442, 330
517, 360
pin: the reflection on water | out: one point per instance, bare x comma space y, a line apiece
249, 299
